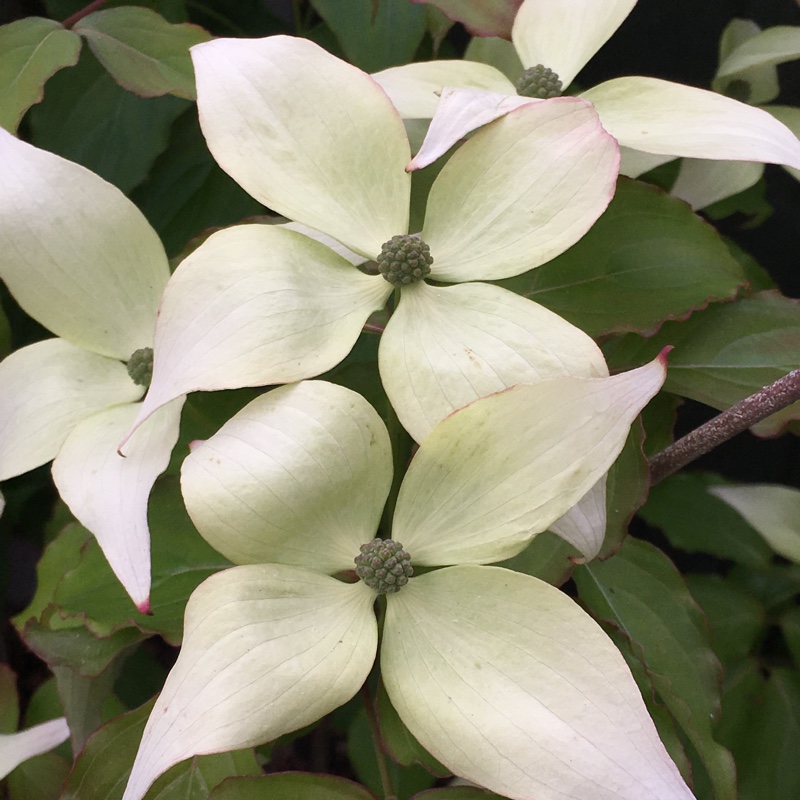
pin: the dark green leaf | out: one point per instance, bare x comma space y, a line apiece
767, 746
664, 721
9, 702
88, 702
187, 193
173, 10
775, 585
548, 557
735, 617
361, 751
143, 52
87, 118
790, 625
646, 260
39, 778
290, 786
697, 522
628, 481
5, 334
81, 617
32, 50
61, 640
725, 352
375, 35
640, 591
102, 769
400, 743
181, 560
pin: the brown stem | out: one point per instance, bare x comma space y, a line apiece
737, 418
84, 12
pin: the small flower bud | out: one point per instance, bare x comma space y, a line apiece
140, 366
540, 82
404, 259
383, 565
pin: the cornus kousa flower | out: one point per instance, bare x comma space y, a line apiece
81, 259
318, 140
553, 40
500, 676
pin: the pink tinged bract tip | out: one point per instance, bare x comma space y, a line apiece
144, 607
663, 356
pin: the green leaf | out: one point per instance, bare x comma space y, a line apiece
646, 260
697, 522
64, 641
664, 721
742, 698
290, 786
735, 617
87, 118
361, 751
640, 591
375, 35
400, 743
548, 557
181, 561
775, 585
101, 771
88, 702
143, 52
32, 50
5, 334
628, 482
790, 625
39, 778
187, 192
9, 702
481, 17
82, 618
725, 352
767, 747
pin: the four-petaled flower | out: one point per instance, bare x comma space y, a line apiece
317, 140
500, 676
656, 119
83, 261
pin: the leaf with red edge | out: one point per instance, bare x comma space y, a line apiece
143, 52
648, 259
31, 51
480, 17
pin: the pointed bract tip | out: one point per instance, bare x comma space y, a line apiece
663, 356
194, 444
144, 607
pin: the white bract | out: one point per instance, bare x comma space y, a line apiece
747, 60
318, 141
652, 116
500, 676
82, 260
18, 747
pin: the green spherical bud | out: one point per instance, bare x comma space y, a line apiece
540, 82
383, 565
140, 366
739, 89
404, 259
